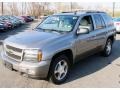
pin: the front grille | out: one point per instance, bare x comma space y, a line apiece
13, 52
13, 48
13, 56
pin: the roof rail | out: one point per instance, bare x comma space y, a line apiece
82, 10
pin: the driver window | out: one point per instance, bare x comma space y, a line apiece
86, 22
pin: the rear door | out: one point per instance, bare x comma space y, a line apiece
100, 29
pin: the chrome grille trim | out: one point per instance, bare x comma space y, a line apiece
14, 48
13, 52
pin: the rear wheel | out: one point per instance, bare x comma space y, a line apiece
108, 48
60, 69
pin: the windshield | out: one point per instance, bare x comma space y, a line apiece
59, 23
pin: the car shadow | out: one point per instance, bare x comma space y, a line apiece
93, 64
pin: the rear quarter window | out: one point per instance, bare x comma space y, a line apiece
108, 20
99, 23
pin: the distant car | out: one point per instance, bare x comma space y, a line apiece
32, 17
22, 21
9, 24
3, 26
6, 18
27, 18
10, 21
13, 20
117, 24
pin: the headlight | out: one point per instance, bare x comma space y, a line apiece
33, 55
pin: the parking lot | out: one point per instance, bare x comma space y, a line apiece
94, 71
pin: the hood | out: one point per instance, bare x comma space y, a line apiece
31, 39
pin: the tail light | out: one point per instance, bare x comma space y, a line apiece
117, 23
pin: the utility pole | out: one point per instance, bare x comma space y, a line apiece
12, 8
71, 6
113, 9
43, 8
22, 8
25, 8
2, 8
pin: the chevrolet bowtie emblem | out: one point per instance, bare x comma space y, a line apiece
11, 51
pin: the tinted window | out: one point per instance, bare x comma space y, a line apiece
86, 22
99, 21
108, 19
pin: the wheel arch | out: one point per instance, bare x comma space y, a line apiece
67, 52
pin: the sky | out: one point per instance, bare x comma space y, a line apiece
86, 5
93, 5
105, 4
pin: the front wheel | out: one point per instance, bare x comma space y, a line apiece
108, 48
60, 69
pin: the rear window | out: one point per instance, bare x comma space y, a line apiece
108, 20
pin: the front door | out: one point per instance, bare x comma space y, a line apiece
86, 43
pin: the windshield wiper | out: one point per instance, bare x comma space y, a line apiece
49, 30
58, 31
55, 30
39, 28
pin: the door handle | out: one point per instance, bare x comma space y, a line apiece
92, 37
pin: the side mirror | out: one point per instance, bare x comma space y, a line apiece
83, 31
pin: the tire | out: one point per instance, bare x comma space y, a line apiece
108, 48
56, 76
118, 32
4, 30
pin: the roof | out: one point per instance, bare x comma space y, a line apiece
77, 13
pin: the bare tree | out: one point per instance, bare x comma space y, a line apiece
13, 8
75, 6
34, 9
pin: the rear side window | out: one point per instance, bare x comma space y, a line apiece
108, 19
99, 23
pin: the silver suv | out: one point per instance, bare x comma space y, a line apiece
57, 43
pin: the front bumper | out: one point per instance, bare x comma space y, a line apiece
118, 29
34, 70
